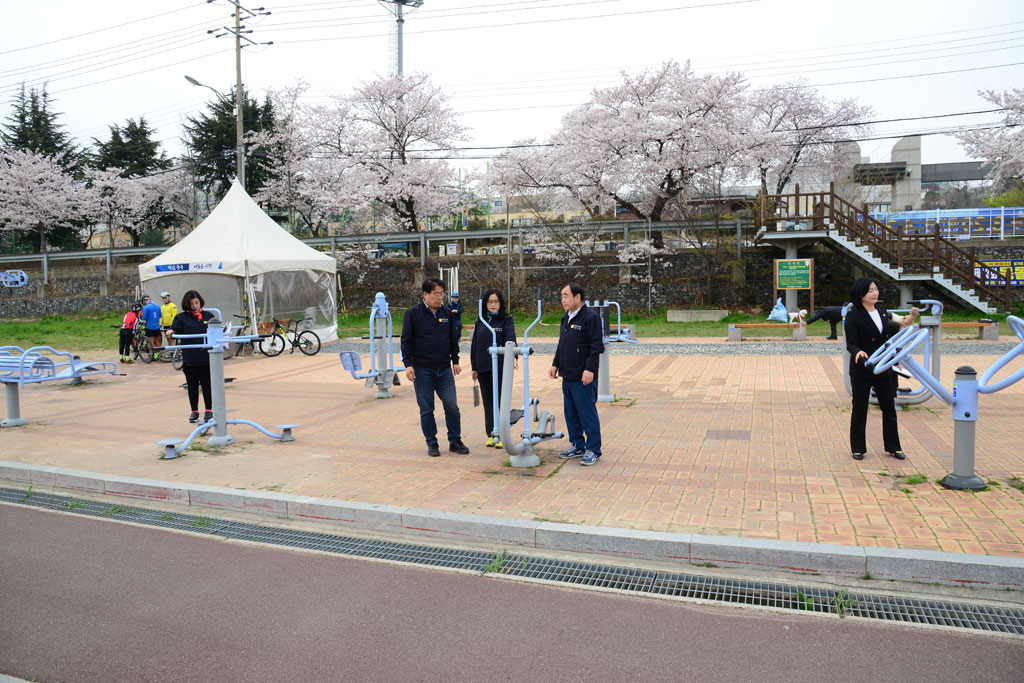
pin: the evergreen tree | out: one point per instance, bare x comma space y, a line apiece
132, 149
32, 127
210, 138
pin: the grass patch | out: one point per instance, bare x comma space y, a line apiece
555, 471
495, 564
1017, 483
73, 504
167, 516
114, 510
912, 479
201, 522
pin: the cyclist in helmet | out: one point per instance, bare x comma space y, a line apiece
131, 319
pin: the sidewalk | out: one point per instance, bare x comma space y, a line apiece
727, 445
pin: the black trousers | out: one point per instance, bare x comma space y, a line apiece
124, 342
197, 376
862, 382
487, 397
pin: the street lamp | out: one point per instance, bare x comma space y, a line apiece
239, 137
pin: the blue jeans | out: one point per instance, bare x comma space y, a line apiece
442, 382
579, 403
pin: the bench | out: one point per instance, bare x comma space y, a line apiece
987, 329
627, 331
19, 367
736, 329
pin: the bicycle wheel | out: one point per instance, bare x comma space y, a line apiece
144, 350
229, 350
272, 345
176, 359
308, 342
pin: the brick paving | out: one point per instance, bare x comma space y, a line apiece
751, 446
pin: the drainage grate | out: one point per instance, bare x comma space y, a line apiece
890, 608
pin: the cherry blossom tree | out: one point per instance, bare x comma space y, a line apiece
644, 144
392, 136
138, 206
303, 181
1002, 147
800, 128
38, 195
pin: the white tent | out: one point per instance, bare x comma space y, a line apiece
239, 259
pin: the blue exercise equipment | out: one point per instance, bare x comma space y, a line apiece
383, 372
604, 393
215, 340
963, 398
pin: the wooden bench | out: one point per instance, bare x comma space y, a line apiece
19, 367
736, 329
987, 329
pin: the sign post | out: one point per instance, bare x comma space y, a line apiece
797, 273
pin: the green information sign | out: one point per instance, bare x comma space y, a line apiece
793, 273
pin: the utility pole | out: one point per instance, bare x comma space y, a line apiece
399, 21
238, 32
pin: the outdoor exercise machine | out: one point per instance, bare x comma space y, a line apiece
604, 393
215, 340
494, 350
930, 323
963, 399
19, 367
521, 453
13, 278
382, 366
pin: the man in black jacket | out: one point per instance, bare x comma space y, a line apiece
580, 345
430, 352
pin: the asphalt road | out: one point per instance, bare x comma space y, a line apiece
87, 599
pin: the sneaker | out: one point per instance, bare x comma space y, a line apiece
572, 451
590, 458
207, 416
490, 442
458, 447
193, 416
499, 444
432, 450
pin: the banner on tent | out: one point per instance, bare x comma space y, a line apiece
190, 267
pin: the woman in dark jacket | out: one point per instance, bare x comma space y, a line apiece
867, 327
480, 357
193, 320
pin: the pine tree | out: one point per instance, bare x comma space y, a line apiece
131, 149
33, 127
210, 138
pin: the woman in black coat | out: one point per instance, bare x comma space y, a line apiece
480, 356
193, 320
867, 327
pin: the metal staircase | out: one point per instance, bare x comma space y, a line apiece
894, 253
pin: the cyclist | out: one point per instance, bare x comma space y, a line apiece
168, 309
151, 317
124, 344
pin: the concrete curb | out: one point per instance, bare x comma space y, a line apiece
985, 571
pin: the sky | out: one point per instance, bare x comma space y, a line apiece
513, 68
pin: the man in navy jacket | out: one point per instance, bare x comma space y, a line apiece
580, 345
430, 352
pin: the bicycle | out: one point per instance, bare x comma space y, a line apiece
286, 330
239, 349
140, 346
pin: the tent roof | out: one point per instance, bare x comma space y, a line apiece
237, 232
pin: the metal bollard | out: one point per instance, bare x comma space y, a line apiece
965, 416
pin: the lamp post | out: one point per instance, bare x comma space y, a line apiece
239, 136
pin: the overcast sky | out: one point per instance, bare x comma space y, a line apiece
514, 67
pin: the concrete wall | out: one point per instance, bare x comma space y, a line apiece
682, 280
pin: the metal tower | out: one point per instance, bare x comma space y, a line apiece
399, 5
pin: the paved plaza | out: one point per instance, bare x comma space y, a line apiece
710, 442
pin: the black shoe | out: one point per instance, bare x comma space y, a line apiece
433, 451
458, 447
832, 338
207, 416
899, 455
858, 456
193, 416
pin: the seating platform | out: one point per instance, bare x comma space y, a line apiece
19, 367
736, 329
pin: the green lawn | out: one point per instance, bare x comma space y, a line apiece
94, 332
